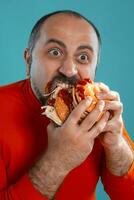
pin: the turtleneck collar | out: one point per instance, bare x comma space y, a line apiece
32, 100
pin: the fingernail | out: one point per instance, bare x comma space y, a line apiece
101, 102
107, 115
88, 101
101, 105
89, 98
100, 95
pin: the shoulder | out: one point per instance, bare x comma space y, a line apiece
12, 97
12, 86
11, 91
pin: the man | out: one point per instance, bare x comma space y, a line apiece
39, 161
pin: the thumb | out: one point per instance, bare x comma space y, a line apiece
50, 127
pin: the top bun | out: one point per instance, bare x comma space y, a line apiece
83, 89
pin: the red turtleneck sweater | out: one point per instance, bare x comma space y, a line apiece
23, 137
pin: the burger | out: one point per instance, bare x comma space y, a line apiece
65, 97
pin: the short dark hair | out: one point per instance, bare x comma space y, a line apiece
35, 33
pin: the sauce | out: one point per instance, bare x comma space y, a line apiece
48, 87
84, 81
51, 102
80, 89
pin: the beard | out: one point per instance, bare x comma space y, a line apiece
60, 78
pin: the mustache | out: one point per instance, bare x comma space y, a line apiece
61, 78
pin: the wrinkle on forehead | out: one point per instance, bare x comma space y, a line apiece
69, 29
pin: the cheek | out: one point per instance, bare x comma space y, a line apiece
87, 72
42, 72
38, 75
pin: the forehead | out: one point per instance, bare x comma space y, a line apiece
69, 29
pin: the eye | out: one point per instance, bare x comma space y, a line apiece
83, 58
55, 52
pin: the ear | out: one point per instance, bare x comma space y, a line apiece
28, 61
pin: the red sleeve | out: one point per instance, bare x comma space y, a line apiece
22, 190
120, 187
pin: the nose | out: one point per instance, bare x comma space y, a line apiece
68, 68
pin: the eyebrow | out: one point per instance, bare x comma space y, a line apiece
89, 47
59, 42
56, 41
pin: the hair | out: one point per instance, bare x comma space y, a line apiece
35, 33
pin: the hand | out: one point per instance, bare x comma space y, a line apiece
112, 133
118, 153
68, 146
71, 143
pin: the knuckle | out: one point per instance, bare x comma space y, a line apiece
73, 117
116, 94
119, 124
103, 86
100, 105
49, 127
99, 128
84, 103
120, 106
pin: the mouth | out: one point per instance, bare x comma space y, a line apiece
65, 81
60, 80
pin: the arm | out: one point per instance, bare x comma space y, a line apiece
119, 158
68, 146
118, 172
118, 187
47, 175
21, 190
119, 155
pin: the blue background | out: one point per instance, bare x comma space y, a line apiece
114, 19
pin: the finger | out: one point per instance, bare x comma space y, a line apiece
115, 106
93, 116
102, 86
99, 126
115, 125
79, 110
50, 127
111, 95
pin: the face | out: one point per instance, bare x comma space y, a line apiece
67, 46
